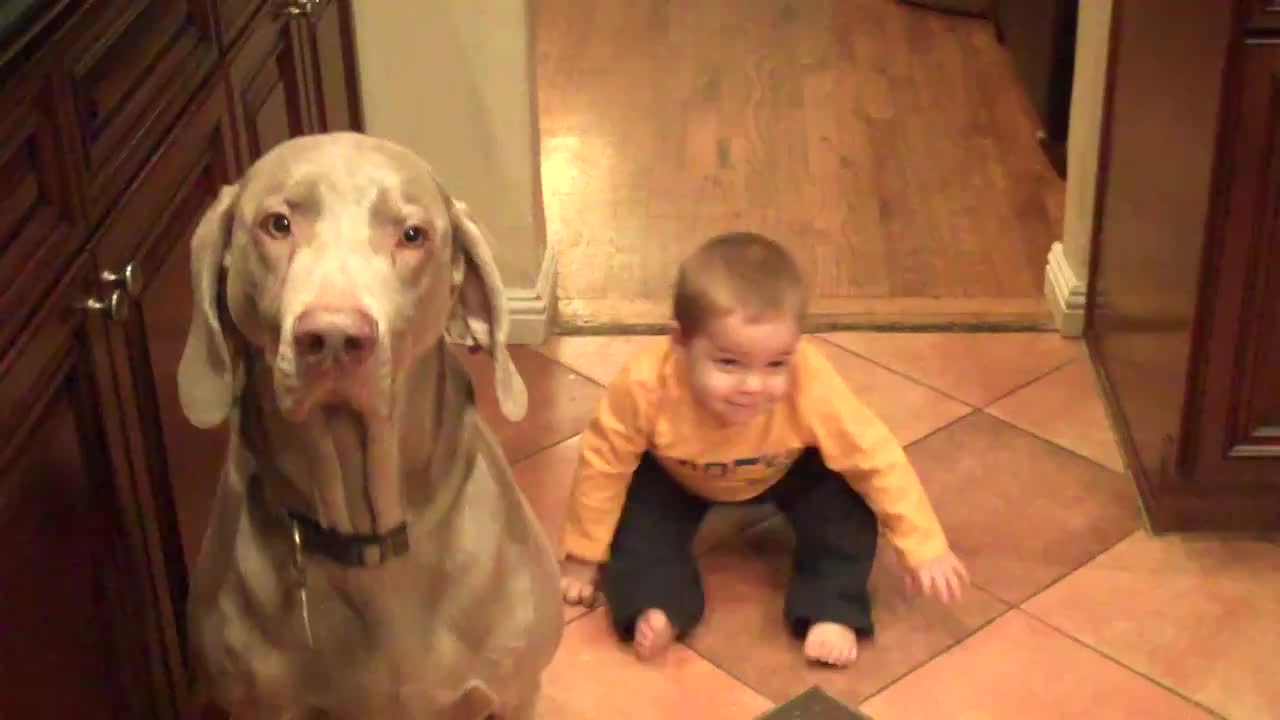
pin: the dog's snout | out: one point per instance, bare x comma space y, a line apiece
346, 337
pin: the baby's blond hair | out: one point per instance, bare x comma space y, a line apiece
742, 272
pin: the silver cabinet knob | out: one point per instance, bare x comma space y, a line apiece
130, 279
116, 306
298, 8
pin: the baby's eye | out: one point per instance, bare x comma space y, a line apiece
726, 362
778, 364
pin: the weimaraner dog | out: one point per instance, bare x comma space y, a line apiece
368, 554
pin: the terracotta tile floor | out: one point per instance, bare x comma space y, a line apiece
1077, 611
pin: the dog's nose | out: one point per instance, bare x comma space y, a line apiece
346, 337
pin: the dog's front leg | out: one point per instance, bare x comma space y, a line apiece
475, 702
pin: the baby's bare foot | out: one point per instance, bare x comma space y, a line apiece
831, 643
653, 634
578, 581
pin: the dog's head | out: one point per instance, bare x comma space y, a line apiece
342, 259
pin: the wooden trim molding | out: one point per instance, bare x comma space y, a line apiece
532, 309
1067, 294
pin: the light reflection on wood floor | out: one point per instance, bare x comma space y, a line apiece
888, 146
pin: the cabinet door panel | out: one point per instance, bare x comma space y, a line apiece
133, 65
1238, 431
40, 227
334, 80
80, 635
150, 234
1182, 323
268, 86
1262, 15
232, 16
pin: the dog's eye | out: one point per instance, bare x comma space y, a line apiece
277, 224
414, 235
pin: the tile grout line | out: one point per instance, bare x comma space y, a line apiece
539, 349
529, 455
1008, 605
972, 411
1072, 571
944, 393
947, 425
1116, 661
946, 649
978, 628
718, 543
819, 336
1008, 608
982, 409
585, 612
1031, 382
896, 372
972, 407
740, 681
1057, 445
730, 674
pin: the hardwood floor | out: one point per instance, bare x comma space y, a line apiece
889, 147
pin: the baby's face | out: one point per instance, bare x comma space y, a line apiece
739, 369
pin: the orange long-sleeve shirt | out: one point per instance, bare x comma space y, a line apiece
648, 407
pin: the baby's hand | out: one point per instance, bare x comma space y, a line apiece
578, 581
944, 576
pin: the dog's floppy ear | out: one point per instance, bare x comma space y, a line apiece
206, 375
479, 315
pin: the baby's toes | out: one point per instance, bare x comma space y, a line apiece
845, 655
816, 648
831, 644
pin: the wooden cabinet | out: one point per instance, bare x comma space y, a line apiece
1183, 320
1239, 399
1263, 14
268, 87
119, 122
295, 74
130, 68
144, 243
335, 100
78, 611
40, 215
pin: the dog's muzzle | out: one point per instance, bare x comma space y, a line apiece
336, 339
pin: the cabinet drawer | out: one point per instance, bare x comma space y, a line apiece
132, 65
1262, 15
40, 229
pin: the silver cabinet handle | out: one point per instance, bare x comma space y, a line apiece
298, 8
130, 279
116, 306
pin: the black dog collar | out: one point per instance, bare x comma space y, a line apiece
350, 549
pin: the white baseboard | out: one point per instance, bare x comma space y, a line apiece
1067, 294
533, 309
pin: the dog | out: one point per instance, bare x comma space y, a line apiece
368, 554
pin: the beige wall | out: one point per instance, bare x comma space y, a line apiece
1088, 87
454, 80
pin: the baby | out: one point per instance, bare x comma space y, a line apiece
737, 406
